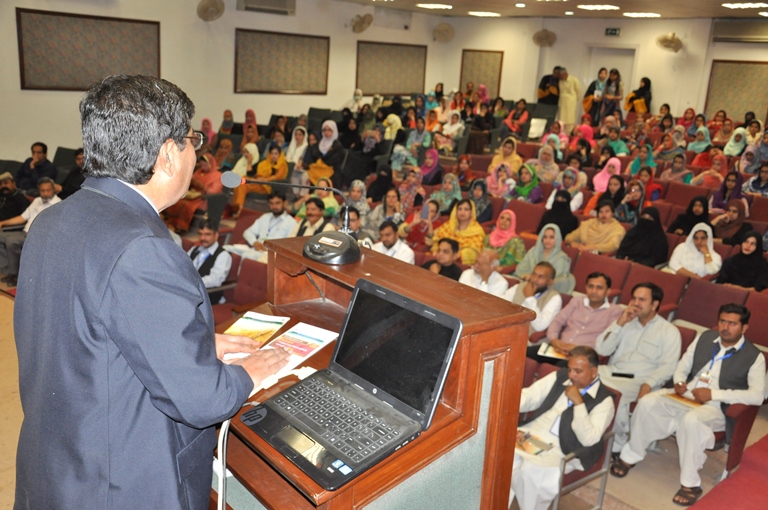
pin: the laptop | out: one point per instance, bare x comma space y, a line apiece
379, 392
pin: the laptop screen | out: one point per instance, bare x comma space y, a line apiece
395, 344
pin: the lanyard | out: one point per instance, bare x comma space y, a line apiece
584, 391
728, 354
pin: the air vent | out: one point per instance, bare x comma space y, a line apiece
282, 7
742, 31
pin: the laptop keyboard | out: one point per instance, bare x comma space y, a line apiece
340, 422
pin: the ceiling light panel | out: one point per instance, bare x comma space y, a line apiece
434, 6
598, 7
758, 5
482, 14
642, 15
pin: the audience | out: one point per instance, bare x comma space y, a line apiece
758, 185
483, 274
445, 260
548, 249
12, 201
324, 159
507, 153
537, 294
748, 269
273, 168
633, 203
74, 178
447, 196
411, 189
645, 243
464, 228
206, 181
389, 210
614, 193
314, 220
357, 199
696, 257
677, 171
697, 212
212, 261
602, 234
391, 245
729, 228
34, 169
570, 187
505, 241
330, 204
277, 224
560, 214
546, 168
499, 180
418, 229
478, 193
527, 188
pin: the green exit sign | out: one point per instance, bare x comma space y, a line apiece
613, 31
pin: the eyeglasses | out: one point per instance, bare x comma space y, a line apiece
198, 139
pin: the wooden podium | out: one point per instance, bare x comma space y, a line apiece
467, 452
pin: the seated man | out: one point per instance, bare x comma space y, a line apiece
74, 178
643, 347
573, 409
602, 234
314, 222
355, 225
275, 225
391, 245
483, 275
12, 201
34, 169
212, 261
445, 259
580, 321
720, 368
12, 242
538, 295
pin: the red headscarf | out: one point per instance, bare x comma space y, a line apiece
687, 123
499, 237
209, 133
246, 139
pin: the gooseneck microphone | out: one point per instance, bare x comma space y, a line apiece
337, 248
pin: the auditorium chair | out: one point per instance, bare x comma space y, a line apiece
528, 150
757, 333
231, 281
759, 209
480, 162
682, 194
497, 203
588, 263
665, 210
672, 240
249, 292
234, 235
528, 215
573, 254
673, 286
702, 300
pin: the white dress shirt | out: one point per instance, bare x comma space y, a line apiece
36, 207
221, 265
268, 226
545, 316
399, 251
495, 285
311, 228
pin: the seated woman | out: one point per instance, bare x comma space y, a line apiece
666, 125
480, 130
298, 145
614, 193
409, 153
677, 171
633, 203
749, 164
224, 156
729, 228
696, 212
349, 137
499, 180
554, 142
560, 214
499, 109
611, 167
583, 152
652, 190
614, 141
527, 188
645, 243
572, 162
639, 100
570, 185
737, 143
758, 185
451, 131
409, 122
654, 120
419, 227
227, 123
717, 122
512, 125
696, 257
326, 157
432, 124
272, 168
687, 119
548, 249
558, 129
411, 191
644, 158
206, 180
431, 171
463, 228
211, 138
448, 194
462, 171
723, 135
748, 269
358, 200
505, 241
713, 177
729, 190
667, 150
546, 168
702, 141
390, 209
478, 193
602, 234
298, 208
366, 118
250, 135
581, 133
705, 158
507, 153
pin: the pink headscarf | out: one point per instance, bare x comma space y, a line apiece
499, 237
600, 180
584, 132
482, 94
209, 133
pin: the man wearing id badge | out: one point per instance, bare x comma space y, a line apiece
720, 368
572, 410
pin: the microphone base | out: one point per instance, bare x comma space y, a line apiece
333, 248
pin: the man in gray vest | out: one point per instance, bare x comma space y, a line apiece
720, 368
573, 409
211, 260
538, 295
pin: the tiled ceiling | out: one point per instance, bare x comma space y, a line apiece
557, 8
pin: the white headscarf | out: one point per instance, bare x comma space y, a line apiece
451, 129
326, 142
687, 256
294, 153
241, 167
393, 125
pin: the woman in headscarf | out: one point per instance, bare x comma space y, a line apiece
383, 182
499, 180
667, 149
600, 180
411, 191
717, 122
409, 153
615, 142
350, 137
645, 243
581, 133
432, 124
754, 132
546, 168
593, 98
419, 227
527, 188
713, 177
505, 241
548, 249
246, 165
558, 130
724, 134
614, 193
606, 154
394, 129
356, 103
758, 185
633, 203
499, 109
207, 129
250, 135
643, 158
225, 158
570, 184
653, 191
299, 208
327, 156
666, 125
729, 190
729, 228
583, 153
677, 171
431, 102
763, 147
479, 130
357, 199
696, 257
554, 142
463, 228
298, 145
609, 123
749, 164
639, 100
272, 168
448, 194
457, 103
420, 106
432, 172
697, 212
687, 119
678, 137
451, 131
515, 119
206, 180
748, 269
478, 193
507, 153
561, 213
612, 95
463, 171
227, 123
366, 119
409, 121
482, 96
654, 120
443, 111
737, 142
705, 158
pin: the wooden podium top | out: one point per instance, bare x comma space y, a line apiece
318, 294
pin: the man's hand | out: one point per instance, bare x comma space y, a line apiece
529, 289
702, 395
226, 344
263, 363
573, 394
435, 267
561, 346
627, 315
644, 390
680, 388
259, 246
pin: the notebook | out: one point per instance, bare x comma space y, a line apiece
379, 392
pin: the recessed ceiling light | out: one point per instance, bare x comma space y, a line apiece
598, 7
551, 0
520, 6
569, 13
482, 14
763, 14
746, 5
434, 6
642, 15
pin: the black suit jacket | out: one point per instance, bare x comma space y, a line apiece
118, 375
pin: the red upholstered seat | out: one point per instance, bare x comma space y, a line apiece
682, 194
702, 300
673, 286
588, 263
758, 323
528, 215
250, 291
